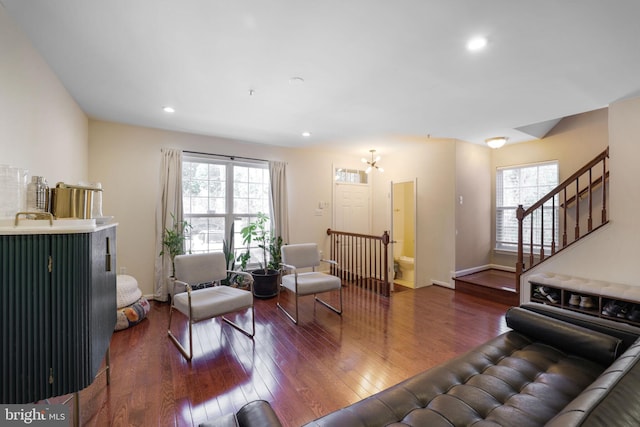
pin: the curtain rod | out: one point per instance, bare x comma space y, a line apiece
225, 155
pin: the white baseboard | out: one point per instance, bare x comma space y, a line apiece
481, 268
443, 284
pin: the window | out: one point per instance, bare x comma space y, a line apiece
219, 193
351, 176
524, 185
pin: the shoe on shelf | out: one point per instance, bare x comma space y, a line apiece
543, 290
634, 314
574, 300
553, 297
612, 308
586, 302
625, 308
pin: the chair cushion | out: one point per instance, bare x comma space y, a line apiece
213, 302
312, 282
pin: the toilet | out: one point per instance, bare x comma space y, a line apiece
405, 263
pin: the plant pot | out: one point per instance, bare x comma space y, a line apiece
265, 285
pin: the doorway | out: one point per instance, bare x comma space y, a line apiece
351, 201
403, 232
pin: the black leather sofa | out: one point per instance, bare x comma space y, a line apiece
553, 367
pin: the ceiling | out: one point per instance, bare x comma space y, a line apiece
372, 69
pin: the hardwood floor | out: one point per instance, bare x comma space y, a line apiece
305, 371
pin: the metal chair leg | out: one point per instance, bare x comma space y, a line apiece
329, 306
326, 304
294, 320
244, 331
187, 355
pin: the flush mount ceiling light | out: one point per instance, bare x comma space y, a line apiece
168, 109
496, 142
372, 163
306, 134
476, 44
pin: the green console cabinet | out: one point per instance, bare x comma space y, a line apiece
57, 310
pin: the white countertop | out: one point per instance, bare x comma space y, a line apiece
59, 226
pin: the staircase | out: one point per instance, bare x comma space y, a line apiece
568, 213
571, 211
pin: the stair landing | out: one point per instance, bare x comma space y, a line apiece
492, 284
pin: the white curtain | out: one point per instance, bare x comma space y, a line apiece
279, 204
169, 202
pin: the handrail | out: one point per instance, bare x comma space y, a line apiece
595, 183
570, 215
362, 259
600, 157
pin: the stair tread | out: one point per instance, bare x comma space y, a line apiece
495, 279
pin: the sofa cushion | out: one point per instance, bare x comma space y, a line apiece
510, 380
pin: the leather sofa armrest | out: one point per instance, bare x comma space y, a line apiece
570, 338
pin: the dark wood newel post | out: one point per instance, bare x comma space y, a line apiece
520, 262
385, 241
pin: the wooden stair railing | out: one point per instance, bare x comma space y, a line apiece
544, 230
362, 259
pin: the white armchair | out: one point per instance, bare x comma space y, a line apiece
306, 255
203, 304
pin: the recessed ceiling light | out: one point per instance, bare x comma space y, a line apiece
306, 134
168, 109
477, 43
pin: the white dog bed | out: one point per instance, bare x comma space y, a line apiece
127, 290
132, 306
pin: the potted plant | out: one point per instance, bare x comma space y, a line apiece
234, 277
173, 240
265, 279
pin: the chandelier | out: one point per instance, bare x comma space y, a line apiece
372, 163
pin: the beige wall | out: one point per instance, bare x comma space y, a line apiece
610, 253
573, 142
431, 162
41, 126
126, 160
473, 206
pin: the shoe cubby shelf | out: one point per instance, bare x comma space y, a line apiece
612, 301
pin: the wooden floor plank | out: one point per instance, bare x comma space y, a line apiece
305, 371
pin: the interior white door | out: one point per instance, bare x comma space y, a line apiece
352, 208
